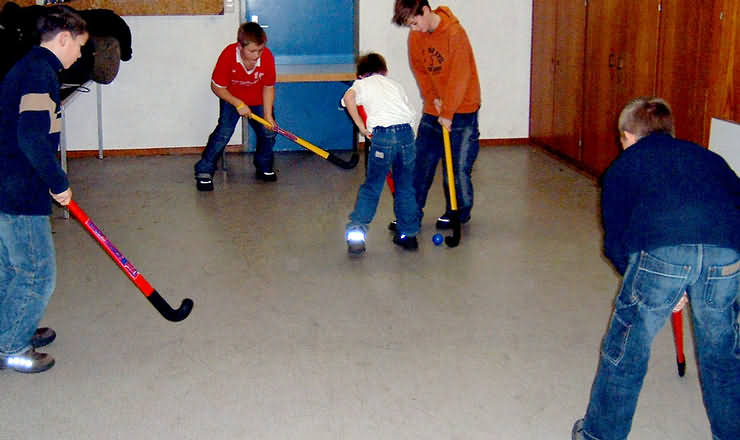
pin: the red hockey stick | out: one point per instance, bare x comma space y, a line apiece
677, 321
152, 295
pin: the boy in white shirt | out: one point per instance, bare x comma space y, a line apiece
389, 118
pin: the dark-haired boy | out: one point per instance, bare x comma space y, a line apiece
244, 81
389, 118
444, 66
671, 215
30, 125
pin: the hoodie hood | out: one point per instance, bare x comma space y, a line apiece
448, 19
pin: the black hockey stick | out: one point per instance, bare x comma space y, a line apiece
149, 292
331, 157
454, 214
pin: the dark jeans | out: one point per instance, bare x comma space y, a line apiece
653, 284
227, 119
430, 149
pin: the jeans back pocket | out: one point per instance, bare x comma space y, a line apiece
723, 285
659, 284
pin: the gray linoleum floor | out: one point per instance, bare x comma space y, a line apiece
291, 339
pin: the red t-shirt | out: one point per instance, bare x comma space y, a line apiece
247, 86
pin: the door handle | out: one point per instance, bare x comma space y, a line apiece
611, 60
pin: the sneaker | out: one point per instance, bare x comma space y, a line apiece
393, 225
204, 182
407, 242
266, 176
43, 337
577, 433
30, 361
355, 241
444, 221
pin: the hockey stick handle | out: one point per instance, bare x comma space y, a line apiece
453, 240
128, 268
336, 160
450, 171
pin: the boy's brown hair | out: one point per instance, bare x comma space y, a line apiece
371, 63
405, 9
251, 33
60, 18
646, 115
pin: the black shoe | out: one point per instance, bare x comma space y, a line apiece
204, 182
444, 221
393, 225
30, 361
406, 242
266, 176
43, 337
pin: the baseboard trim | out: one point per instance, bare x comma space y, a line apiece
176, 151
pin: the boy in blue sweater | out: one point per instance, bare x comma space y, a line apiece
671, 216
30, 124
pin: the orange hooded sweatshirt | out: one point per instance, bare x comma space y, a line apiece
444, 66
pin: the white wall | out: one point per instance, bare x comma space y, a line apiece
162, 98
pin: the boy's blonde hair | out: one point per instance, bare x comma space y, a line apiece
646, 115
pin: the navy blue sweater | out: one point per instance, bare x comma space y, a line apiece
663, 191
30, 124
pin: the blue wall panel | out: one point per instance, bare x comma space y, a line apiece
307, 31
312, 111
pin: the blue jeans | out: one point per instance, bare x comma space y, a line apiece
227, 119
392, 148
430, 149
653, 284
27, 278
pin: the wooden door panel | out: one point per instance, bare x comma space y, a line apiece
724, 70
685, 61
622, 46
602, 49
568, 85
541, 80
638, 58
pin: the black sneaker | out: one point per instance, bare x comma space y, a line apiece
393, 225
43, 337
406, 242
355, 241
266, 176
444, 222
30, 361
204, 182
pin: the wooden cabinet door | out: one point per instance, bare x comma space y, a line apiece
724, 68
621, 58
684, 66
570, 42
541, 80
599, 101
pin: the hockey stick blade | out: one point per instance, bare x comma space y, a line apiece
309, 146
454, 239
170, 314
346, 164
128, 268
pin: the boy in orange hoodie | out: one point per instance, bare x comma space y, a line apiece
444, 66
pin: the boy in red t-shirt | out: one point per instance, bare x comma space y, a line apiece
244, 81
